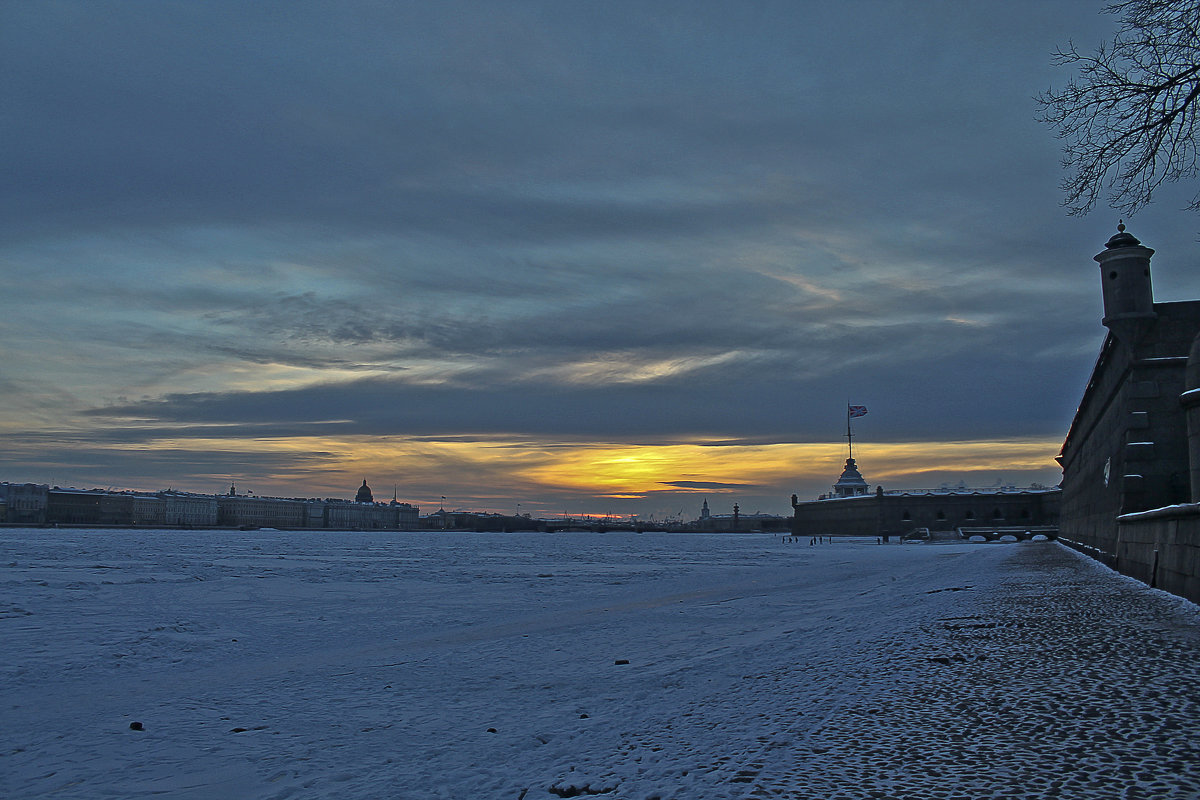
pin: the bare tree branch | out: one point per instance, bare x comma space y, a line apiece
1128, 119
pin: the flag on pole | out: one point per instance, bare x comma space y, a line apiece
857, 411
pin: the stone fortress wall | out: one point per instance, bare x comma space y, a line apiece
1131, 497
898, 513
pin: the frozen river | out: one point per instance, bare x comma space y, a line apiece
443, 665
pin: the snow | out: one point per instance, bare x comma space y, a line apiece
1178, 509
271, 664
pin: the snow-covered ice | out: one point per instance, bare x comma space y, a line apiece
444, 665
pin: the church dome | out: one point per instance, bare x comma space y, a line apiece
364, 494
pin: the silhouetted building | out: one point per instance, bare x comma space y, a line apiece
364, 494
408, 517
1131, 459
187, 510
900, 513
737, 521
31, 504
74, 506
1127, 446
852, 509
244, 511
480, 521
24, 503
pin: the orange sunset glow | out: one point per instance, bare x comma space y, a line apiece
555, 473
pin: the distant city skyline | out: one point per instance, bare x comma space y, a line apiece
586, 258
699, 494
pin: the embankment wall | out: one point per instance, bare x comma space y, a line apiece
1162, 548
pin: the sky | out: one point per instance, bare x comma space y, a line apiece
554, 257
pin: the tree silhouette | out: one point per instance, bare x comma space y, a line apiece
1128, 119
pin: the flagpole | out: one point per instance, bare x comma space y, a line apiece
849, 435
851, 412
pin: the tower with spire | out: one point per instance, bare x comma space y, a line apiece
851, 482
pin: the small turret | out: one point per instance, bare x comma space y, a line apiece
1125, 279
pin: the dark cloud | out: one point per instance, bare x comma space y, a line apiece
65, 459
706, 485
959, 396
473, 122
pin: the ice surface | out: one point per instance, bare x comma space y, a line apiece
445, 665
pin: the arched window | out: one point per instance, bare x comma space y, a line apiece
941, 514
907, 517
970, 515
997, 515
1024, 513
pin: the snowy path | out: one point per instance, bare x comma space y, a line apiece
276, 665
1065, 681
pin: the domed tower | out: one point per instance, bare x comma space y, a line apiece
1125, 279
851, 483
364, 494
